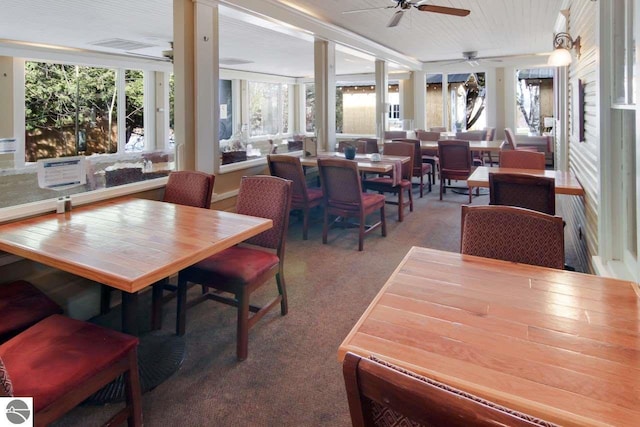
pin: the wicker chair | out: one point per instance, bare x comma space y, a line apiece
381, 394
240, 270
344, 198
513, 234
303, 198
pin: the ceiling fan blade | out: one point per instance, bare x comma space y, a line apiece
368, 9
395, 19
443, 9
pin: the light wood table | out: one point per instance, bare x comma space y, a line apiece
128, 244
490, 146
559, 345
364, 161
565, 182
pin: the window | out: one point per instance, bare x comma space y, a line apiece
310, 107
81, 110
69, 110
534, 99
267, 109
358, 108
434, 100
466, 101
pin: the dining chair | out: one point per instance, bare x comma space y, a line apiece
474, 135
241, 269
526, 191
391, 184
382, 394
510, 142
455, 163
367, 145
513, 234
430, 155
303, 198
521, 159
21, 306
391, 134
420, 169
343, 198
190, 188
60, 362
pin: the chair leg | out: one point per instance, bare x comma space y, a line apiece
305, 223
383, 221
470, 194
133, 392
325, 226
410, 200
181, 310
400, 206
361, 234
441, 184
282, 290
242, 345
421, 185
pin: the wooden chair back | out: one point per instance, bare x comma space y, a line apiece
513, 234
471, 135
438, 129
378, 392
520, 159
404, 148
455, 159
289, 167
391, 134
424, 135
367, 145
533, 192
341, 184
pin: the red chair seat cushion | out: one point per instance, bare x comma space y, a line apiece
236, 265
314, 194
387, 181
58, 354
371, 201
23, 305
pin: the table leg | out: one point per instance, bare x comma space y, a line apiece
156, 305
130, 313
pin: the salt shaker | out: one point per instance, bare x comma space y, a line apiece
67, 204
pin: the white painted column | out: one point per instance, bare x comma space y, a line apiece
382, 97
499, 101
184, 101
405, 89
162, 110
419, 80
206, 88
325, 88
510, 98
445, 101
299, 105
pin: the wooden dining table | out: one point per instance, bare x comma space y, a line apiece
559, 345
127, 243
365, 163
565, 181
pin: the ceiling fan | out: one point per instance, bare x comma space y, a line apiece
404, 5
471, 58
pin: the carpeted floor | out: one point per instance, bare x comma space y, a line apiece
292, 376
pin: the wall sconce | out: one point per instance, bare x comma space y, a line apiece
562, 45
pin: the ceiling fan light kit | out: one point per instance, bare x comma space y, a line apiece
403, 5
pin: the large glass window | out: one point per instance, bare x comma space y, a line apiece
534, 100
466, 101
266, 109
358, 108
134, 94
69, 110
434, 100
310, 107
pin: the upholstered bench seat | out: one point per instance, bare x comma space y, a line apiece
23, 305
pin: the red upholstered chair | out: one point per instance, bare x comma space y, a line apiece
344, 198
430, 155
22, 305
240, 270
382, 394
513, 234
455, 162
420, 169
392, 134
60, 362
473, 135
386, 184
303, 198
367, 145
526, 191
190, 188
510, 142
521, 159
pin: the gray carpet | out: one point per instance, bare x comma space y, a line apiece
292, 376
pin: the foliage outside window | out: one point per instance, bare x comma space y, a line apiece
310, 107
267, 108
69, 110
134, 95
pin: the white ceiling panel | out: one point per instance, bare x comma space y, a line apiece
494, 28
